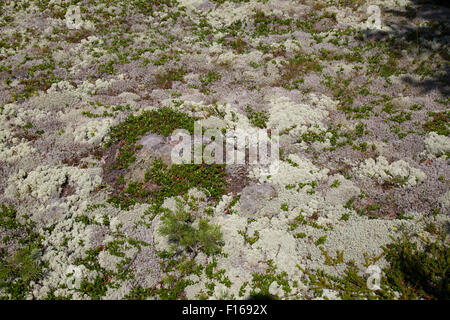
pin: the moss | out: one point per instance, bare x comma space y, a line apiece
297, 67
416, 107
257, 118
178, 179
401, 117
32, 86
269, 24
19, 268
210, 77
439, 123
166, 79
412, 273
419, 273
301, 220
218, 275
172, 286
248, 239
335, 184
97, 287
207, 79
260, 283
86, 220
320, 241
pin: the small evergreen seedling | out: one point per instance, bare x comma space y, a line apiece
178, 226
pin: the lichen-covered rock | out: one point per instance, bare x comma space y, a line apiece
361, 107
129, 96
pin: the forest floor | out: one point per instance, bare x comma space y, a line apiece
352, 95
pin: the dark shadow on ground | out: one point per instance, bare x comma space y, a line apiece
421, 28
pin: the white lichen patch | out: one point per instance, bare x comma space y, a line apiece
93, 131
289, 172
399, 173
44, 182
340, 190
11, 149
445, 200
285, 114
436, 144
333, 84
229, 13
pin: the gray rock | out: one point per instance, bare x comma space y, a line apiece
165, 153
151, 141
144, 160
129, 96
253, 198
154, 147
206, 6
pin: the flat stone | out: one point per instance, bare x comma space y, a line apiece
154, 147
151, 141
129, 96
253, 197
165, 153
